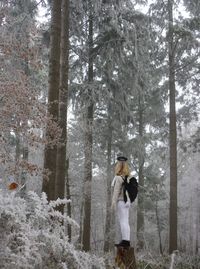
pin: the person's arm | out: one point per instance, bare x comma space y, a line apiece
116, 191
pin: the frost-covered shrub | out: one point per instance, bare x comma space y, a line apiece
176, 260
32, 236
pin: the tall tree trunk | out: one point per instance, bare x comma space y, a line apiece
17, 153
198, 225
88, 144
172, 135
158, 227
80, 240
25, 153
25, 150
63, 102
140, 209
68, 195
17, 147
108, 187
50, 151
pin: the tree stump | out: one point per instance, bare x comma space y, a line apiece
125, 258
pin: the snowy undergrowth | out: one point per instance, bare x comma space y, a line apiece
175, 261
31, 236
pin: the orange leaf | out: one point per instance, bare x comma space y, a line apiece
13, 186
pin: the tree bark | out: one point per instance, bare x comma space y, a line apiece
125, 258
88, 144
25, 153
17, 147
50, 151
198, 226
107, 239
17, 153
158, 227
80, 240
140, 210
63, 103
68, 194
172, 135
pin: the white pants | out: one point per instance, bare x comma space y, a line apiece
123, 216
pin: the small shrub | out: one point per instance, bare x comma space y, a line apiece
32, 236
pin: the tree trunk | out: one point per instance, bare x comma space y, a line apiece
87, 180
50, 151
107, 239
88, 145
25, 150
80, 240
125, 258
63, 102
158, 227
25, 153
140, 210
17, 147
172, 135
68, 194
198, 232
17, 154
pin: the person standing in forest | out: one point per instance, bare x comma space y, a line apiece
119, 205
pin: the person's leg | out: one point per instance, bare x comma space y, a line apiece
123, 216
